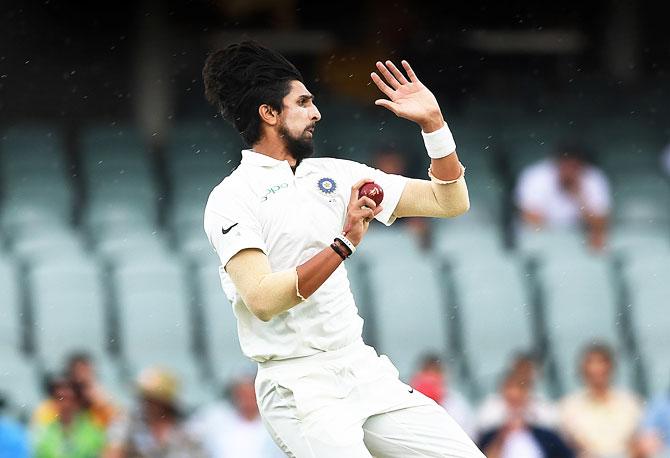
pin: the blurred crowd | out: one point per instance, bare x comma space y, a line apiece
566, 190
597, 420
79, 419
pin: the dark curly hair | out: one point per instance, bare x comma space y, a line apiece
242, 77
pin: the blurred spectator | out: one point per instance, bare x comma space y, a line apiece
654, 433
13, 436
238, 431
157, 428
600, 420
564, 192
80, 370
73, 434
495, 410
519, 436
432, 380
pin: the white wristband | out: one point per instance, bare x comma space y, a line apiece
439, 143
347, 242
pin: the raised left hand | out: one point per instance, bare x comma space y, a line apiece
408, 99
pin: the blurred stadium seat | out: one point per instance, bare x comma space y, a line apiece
580, 307
11, 313
119, 179
642, 200
199, 155
156, 322
69, 309
219, 326
20, 380
34, 177
648, 281
496, 315
414, 308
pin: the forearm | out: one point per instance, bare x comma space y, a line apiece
597, 228
266, 293
315, 271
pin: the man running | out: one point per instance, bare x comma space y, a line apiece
283, 224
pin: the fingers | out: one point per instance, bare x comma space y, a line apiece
387, 75
397, 73
365, 201
410, 72
381, 85
392, 106
356, 187
365, 215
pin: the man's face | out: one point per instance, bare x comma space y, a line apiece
82, 372
569, 171
516, 394
66, 401
597, 370
297, 120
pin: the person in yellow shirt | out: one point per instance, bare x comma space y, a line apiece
600, 420
81, 371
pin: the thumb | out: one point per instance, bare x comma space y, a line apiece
392, 106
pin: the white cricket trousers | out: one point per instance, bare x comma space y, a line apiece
350, 403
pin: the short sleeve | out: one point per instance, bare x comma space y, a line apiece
231, 223
529, 195
393, 185
597, 192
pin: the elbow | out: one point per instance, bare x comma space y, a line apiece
259, 308
463, 208
457, 208
262, 313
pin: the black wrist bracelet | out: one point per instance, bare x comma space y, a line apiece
337, 250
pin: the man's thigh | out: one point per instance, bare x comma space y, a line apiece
332, 433
421, 431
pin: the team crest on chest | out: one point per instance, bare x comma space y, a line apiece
327, 186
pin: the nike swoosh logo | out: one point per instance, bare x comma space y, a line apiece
411, 390
225, 231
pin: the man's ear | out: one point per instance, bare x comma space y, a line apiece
268, 114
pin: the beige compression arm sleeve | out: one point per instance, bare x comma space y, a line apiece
265, 293
434, 198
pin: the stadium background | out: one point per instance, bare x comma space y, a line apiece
108, 151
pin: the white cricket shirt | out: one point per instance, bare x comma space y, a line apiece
291, 217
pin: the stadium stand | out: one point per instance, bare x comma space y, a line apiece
151, 293
419, 313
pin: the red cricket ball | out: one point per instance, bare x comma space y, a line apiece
373, 191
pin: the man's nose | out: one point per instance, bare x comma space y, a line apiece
316, 115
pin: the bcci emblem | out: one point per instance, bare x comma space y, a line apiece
327, 186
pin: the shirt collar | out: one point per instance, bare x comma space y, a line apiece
262, 160
253, 158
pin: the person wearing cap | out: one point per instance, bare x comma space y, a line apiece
157, 428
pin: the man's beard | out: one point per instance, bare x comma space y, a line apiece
299, 147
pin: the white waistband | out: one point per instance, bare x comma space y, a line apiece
317, 358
